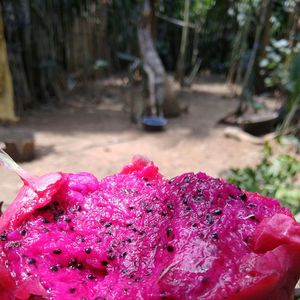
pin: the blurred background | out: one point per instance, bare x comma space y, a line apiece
210, 86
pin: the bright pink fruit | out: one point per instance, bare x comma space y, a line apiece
136, 235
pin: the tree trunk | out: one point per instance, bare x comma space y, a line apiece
247, 87
180, 69
151, 63
25, 37
294, 16
102, 51
239, 48
153, 19
12, 13
266, 32
195, 52
259, 85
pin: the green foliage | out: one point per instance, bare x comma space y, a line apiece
199, 9
275, 66
274, 176
281, 69
278, 64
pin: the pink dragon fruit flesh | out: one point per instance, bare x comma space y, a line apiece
138, 235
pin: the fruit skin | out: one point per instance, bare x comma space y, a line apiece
210, 240
32, 196
6, 283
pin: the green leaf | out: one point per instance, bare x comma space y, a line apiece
274, 176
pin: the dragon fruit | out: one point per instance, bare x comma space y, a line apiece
137, 235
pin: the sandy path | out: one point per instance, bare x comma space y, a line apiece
93, 133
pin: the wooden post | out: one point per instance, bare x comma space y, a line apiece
6, 85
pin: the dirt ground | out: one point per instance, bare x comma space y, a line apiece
92, 132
